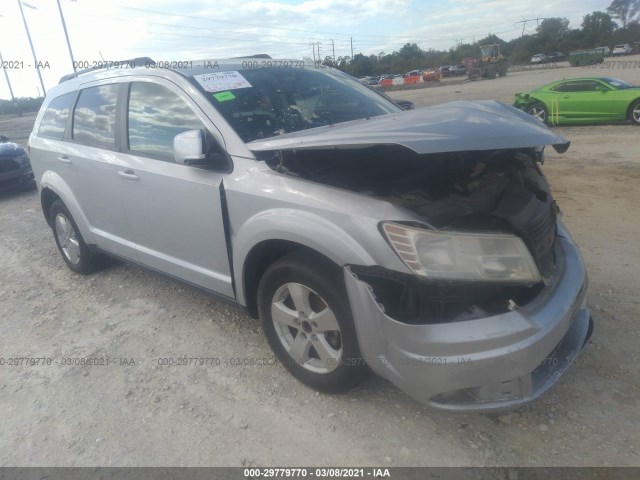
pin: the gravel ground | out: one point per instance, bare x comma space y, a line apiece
135, 412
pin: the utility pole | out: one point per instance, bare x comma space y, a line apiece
333, 49
524, 23
319, 56
66, 35
351, 48
313, 46
33, 52
6, 75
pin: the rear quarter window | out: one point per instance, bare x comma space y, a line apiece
55, 117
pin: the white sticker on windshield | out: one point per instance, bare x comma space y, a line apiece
221, 81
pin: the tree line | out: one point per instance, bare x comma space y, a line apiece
619, 24
20, 105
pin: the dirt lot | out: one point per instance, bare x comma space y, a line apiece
139, 413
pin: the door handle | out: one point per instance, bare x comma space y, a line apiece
64, 159
128, 174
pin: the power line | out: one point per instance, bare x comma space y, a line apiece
287, 29
524, 22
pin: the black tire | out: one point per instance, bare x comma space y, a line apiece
70, 243
634, 112
320, 287
539, 111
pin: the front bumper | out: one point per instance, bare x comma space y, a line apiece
484, 364
16, 179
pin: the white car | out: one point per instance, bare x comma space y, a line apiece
539, 58
622, 49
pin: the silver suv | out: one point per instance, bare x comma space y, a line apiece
424, 245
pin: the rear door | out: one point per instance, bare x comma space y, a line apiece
175, 211
86, 158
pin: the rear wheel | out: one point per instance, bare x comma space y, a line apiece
70, 243
307, 320
634, 112
539, 111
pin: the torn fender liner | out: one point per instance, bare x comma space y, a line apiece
450, 127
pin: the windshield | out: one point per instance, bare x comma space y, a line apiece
265, 102
488, 51
618, 83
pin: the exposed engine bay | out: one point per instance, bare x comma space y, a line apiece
501, 190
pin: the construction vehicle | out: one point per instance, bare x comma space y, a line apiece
489, 64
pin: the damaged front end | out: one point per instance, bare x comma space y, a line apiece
491, 307
500, 198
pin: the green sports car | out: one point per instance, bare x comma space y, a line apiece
582, 101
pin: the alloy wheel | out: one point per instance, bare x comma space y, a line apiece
636, 113
67, 238
539, 113
307, 328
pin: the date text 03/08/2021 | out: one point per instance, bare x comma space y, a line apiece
325, 472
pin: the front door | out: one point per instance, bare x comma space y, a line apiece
174, 210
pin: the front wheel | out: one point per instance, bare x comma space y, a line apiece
634, 112
308, 323
539, 111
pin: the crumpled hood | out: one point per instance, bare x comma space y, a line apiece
450, 127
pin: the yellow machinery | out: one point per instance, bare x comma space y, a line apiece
489, 64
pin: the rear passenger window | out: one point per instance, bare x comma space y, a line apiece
94, 118
55, 117
156, 115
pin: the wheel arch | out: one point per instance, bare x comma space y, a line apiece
275, 232
47, 197
52, 188
264, 254
631, 103
534, 100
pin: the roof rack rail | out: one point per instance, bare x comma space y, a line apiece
134, 62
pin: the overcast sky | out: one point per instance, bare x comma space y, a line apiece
199, 29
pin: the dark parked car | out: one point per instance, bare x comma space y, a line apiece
15, 167
403, 104
556, 57
445, 71
457, 70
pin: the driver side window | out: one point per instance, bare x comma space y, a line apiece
155, 116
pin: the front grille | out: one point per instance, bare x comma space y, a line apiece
12, 182
8, 165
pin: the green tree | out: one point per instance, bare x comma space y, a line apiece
597, 28
625, 11
552, 32
360, 66
328, 61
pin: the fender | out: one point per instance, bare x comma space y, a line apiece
54, 182
297, 226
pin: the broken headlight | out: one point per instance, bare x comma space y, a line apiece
443, 255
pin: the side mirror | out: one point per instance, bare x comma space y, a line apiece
189, 148
404, 104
